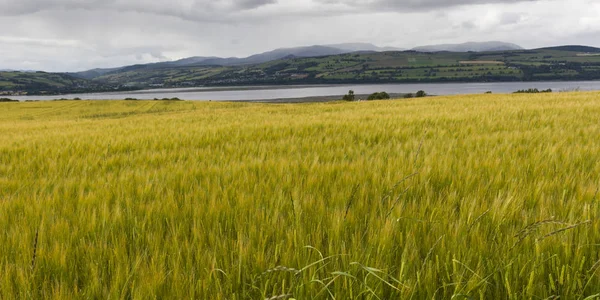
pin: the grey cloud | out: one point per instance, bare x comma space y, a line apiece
152, 51
510, 18
236, 11
252, 4
74, 35
468, 25
39, 42
413, 5
185, 9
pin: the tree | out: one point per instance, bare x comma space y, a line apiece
379, 96
350, 96
421, 94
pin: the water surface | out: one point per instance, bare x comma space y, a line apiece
301, 91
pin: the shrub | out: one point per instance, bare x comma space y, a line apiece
409, 95
350, 96
421, 94
379, 96
570, 90
533, 91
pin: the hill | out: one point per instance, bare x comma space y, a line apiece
358, 47
42, 83
309, 51
300, 67
312, 51
585, 49
377, 67
470, 47
91, 74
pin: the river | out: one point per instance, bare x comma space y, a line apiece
302, 91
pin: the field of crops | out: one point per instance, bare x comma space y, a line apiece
464, 197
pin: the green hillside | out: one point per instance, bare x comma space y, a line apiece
43, 83
557, 63
383, 67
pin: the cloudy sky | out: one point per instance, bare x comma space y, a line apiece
74, 35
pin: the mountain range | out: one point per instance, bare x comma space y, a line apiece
470, 47
327, 64
11, 70
298, 52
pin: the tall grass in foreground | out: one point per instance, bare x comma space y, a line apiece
466, 197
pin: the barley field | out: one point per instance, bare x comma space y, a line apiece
462, 197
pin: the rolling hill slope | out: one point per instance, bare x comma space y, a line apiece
40, 81
555, 63
408, 66
309, 51
470, 47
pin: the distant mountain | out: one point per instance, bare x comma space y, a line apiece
311, 51
574, 63
471, 46
371, 67
298, 52
11, 70
574, 48
91, 74
191, 60
361, 47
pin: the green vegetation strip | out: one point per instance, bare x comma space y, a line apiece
466, 197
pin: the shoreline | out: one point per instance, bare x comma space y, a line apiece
320, 93
241, 88
314, 99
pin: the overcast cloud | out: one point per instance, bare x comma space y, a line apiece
74, 35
